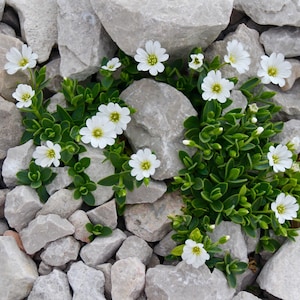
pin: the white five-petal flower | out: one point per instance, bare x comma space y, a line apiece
112, 65
280, 158
20, 60
194, 253
237, 57
216, 87
197, 61
23, 95
274, 69
47, 154
285, 207
143, 164
151, 59
99, 131
119, 116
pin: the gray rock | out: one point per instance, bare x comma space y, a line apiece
106, 269
281, 268
44, 229
127, 285
186, 282
53, 74
285, 40
161, 21
18, 271
80, 278
288, 100
134, 246
61, 203
61, 251
43, 12
150, 221
61, 181
2, 4
11, 127
146, 194
8, 83
277, 12
102, 248
7, 30
289, 82
97, 170
165, 246
236, 244
51, 287
105, 214
21, 205
158, 122
77, 60
79, 219
245, 296
57, 99
44, 269
17, 159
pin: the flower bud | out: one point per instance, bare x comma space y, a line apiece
212, 226
224, 239
188, 143
259, 130
253, 108
253, 120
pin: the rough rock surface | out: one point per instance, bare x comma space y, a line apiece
164, 105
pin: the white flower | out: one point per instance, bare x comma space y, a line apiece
259, 130
237, 57
253, 108
23, 95
216, 87
112, 65
118, 115
47, 155
143, 164
294, 144
197, 61
99, 131
280, 158
285, 207
274, 69
194, 254
20, 61
151, 59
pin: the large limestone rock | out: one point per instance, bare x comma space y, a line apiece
8, 83
285, 40
186, 282
80, 277
158, 122
150, 221
82, 49
127, 285
44, 229
38, 24
189, 23
11, 126
276, 12
21, 205
278, 275
52, 286
18, 271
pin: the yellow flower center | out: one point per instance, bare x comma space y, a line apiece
196, 61
281, 209
152, 59
25, 97
272, 71
23, 62
145, 165
97, 133
196, 250
232, 58
275, 158
216, 88
115, 117
50, 153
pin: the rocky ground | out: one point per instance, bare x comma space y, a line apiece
52, 258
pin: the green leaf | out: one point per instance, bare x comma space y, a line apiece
23, 178
177, 251
217, 206
89, 199
109, 180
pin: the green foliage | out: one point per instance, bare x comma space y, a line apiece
97, 230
